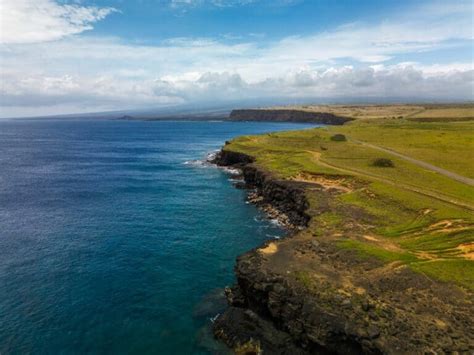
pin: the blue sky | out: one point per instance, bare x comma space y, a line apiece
67, 56
152, 21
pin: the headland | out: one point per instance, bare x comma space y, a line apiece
380, 252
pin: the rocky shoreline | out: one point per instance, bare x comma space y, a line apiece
355, 306
280, 199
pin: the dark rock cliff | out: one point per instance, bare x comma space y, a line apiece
288, 197
355, 307
287, 116
267, 307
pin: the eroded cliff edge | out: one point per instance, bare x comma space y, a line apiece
287, 115
304, 295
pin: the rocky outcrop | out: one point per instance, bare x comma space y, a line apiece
285, 317
282, 115
304, 295
266, 307
288, 197
230, 158
239, 326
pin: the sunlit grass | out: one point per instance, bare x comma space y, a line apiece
405, 203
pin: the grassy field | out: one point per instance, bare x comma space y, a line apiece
445, 114
403, 214
444, 144
427, 112
362, 112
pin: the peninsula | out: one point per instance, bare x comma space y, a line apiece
380, 253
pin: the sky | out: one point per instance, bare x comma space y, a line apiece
75, 56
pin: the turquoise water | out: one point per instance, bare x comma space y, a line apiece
110, 242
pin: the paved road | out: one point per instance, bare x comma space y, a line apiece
421, 163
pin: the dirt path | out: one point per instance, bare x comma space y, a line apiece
440, 197
421, 163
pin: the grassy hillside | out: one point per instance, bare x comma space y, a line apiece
402, 214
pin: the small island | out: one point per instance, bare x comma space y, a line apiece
379, 256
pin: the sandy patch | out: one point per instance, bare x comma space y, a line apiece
380, 242
339, 184
440, 323
426, 211
271, 248
348, 285
425, 255
467, 250
371, 238
441, 224
447, 226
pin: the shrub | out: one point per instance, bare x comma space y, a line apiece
338, 138
383, 163
249, 348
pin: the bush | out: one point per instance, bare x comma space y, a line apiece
250, 347
338, 138
383, 163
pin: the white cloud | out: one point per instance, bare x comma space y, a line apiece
112, 92
97, 73
31, 21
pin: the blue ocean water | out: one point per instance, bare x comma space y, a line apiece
110, 243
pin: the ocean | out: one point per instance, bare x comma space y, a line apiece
115, 237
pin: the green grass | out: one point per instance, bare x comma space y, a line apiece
366, 249
439, 244
304, 278
458, 270
445, 114
331, 219
444, 144
287, 154
401, 204
397, 211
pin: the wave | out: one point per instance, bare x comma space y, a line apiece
198, 163
207, 163
273, 236
212, 155
203, 163
275, 222
231, 171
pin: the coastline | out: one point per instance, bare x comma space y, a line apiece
353, 308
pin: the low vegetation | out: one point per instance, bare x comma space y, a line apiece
445, 114
338, 138
249, 348
383, 163
406, 214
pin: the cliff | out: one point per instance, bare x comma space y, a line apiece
304, 295
281, 115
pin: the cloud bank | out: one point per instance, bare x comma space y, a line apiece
46, 66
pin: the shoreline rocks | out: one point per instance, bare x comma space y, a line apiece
280, 200
303, 295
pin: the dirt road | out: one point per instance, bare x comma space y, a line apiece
317, 158
421, 163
